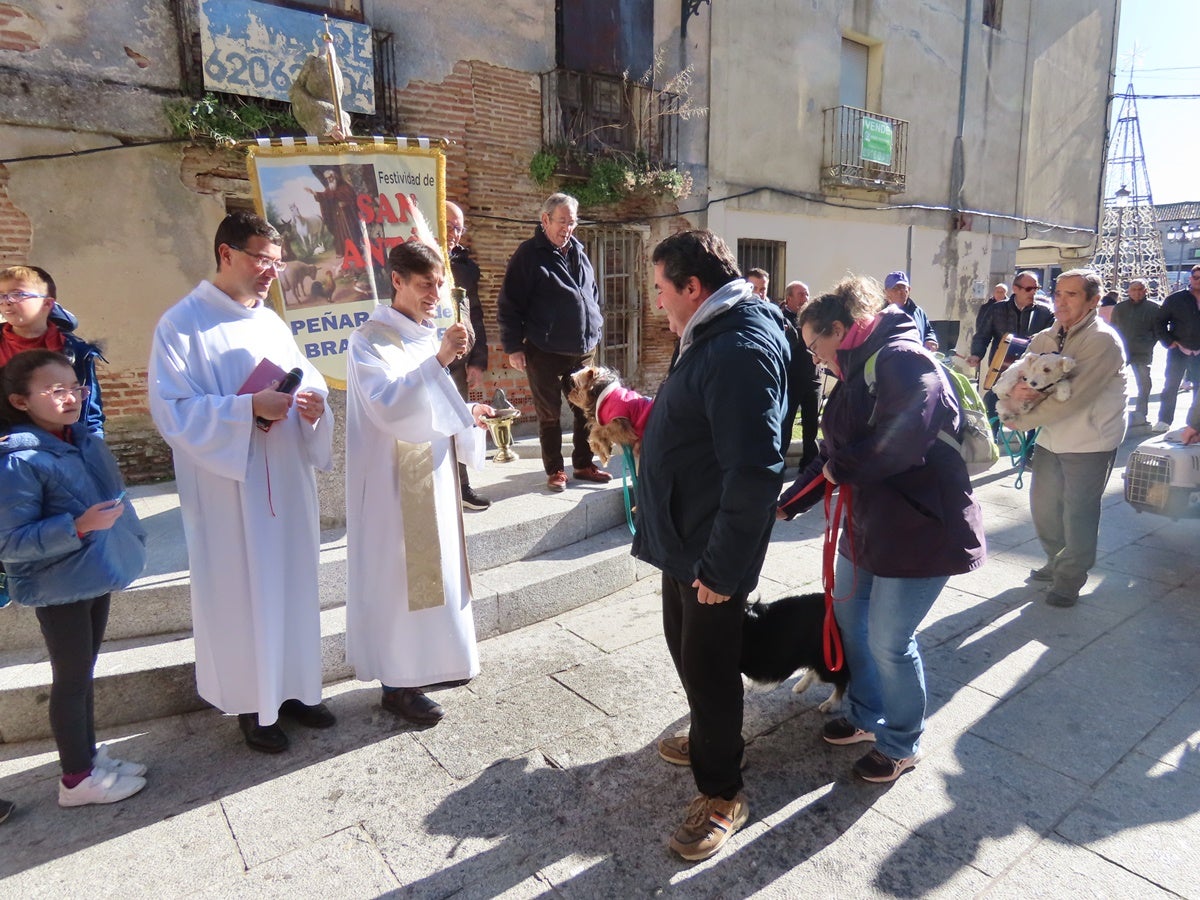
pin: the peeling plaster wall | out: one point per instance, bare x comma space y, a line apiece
430, 37
122, 236
102, 66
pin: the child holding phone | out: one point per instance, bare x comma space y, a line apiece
66, 544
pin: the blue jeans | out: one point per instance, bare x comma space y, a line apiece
879, 622
1179, 364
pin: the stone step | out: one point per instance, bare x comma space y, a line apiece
524, 520
147, 677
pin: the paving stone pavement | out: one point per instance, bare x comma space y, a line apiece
1062, 759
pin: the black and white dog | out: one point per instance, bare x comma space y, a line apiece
785, 636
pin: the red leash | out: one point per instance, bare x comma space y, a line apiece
835, 656
831, 638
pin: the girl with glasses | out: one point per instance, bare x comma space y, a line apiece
68, 538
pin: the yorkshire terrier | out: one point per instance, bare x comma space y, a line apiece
616, 416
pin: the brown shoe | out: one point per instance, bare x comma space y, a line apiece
591, 473
710, 822
676, 750
412, 704
557, 481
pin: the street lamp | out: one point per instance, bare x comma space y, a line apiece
1182, 234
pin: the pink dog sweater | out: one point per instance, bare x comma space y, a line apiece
617, 401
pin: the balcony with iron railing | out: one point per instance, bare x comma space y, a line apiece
585, 115
864, 150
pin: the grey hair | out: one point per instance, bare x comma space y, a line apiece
554, 201
1092, 282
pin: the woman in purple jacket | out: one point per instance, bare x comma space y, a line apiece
890, 427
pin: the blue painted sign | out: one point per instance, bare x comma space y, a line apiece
257, 50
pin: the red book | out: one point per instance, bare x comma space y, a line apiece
264, 375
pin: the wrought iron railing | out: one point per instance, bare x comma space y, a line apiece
586, 114
864, 150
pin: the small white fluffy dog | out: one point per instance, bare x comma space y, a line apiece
1045, 372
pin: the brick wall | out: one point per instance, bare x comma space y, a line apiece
129, 432
493, 117
16, 235
18, 29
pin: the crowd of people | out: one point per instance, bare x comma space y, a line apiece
710, 487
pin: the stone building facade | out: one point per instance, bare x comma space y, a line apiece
999, 130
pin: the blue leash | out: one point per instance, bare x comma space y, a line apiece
630, 475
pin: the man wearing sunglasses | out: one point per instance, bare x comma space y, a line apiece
1022, 315
33, 320
248, 495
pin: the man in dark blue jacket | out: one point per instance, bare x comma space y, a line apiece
711, 467
550, 324
895, 286
1022, 315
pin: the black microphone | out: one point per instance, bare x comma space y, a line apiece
288, 385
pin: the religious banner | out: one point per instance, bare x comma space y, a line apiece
340, 208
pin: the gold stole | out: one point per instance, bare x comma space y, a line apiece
418, 502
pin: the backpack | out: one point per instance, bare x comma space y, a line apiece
975, 442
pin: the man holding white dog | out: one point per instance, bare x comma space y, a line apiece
1079, 438
711, 467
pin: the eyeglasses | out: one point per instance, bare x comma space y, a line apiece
14, 297
457, 229
1025, 287
263, 261
809, 347
59, 393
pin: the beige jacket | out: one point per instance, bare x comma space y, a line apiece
1092, 419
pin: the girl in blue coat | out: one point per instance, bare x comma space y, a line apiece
68, 539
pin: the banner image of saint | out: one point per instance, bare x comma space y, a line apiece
339, 210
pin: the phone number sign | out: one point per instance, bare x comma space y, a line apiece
257, 50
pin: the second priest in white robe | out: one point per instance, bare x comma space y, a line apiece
409, 619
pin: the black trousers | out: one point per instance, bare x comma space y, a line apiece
73, 633
705, 641
805, 397
549, 382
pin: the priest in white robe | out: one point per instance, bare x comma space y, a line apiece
409, 618
248, 496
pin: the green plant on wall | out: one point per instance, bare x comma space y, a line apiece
542, 167
227, 120
609, 177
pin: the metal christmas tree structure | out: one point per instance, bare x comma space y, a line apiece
1129, 245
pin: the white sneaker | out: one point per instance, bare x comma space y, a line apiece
101, 786
1161, 428
111, 764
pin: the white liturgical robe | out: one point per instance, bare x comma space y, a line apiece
409, 620
249, 502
